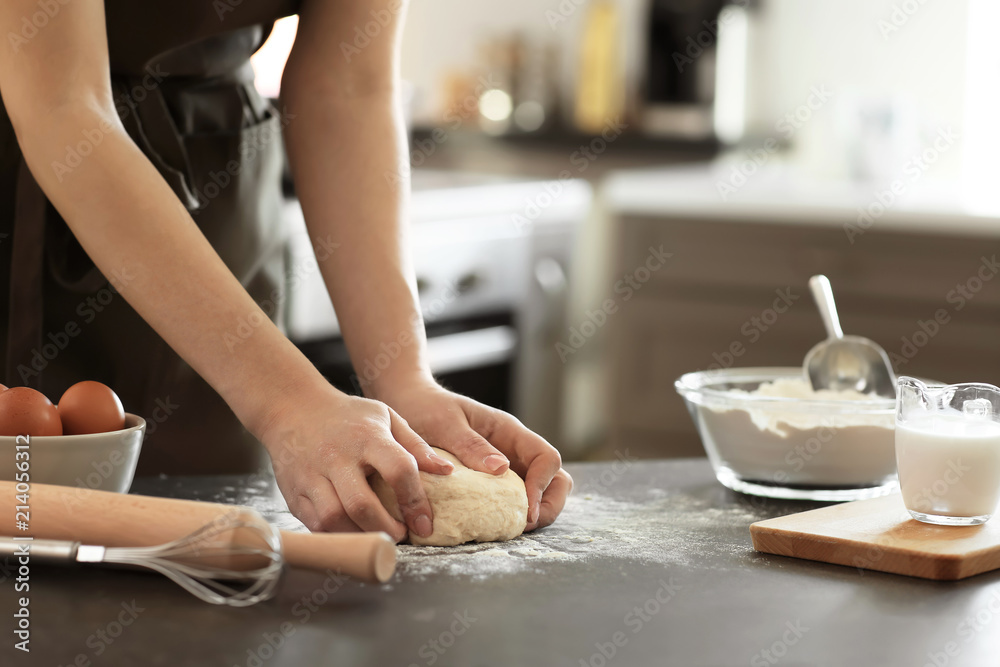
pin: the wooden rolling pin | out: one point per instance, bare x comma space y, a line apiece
118, 520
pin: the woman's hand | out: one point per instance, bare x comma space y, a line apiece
488, 440
364, 211
324, 445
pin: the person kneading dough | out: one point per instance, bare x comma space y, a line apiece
468, 506
190, 261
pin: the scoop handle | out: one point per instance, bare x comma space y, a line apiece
822, 293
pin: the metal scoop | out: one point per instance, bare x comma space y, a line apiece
845, 362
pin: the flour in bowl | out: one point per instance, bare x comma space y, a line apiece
844, 441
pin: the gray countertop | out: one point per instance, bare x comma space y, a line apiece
650, 564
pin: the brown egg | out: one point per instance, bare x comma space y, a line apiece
90, 407
24, 411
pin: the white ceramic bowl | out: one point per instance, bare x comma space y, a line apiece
801, 448
103, 461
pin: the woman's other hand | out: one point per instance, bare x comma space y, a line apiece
324, 445
488, 440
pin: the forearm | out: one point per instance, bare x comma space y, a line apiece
132, 226
346, 153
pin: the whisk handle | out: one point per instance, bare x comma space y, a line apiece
367, 556
45, 551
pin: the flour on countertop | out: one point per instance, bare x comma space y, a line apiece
668, 528
657, 525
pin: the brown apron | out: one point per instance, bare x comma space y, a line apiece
184, 90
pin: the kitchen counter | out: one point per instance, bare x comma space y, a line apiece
780, 194
650, 564
548, 156
928, 252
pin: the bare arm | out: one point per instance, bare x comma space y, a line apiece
348, 153
56, 87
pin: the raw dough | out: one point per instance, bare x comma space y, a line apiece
468, 505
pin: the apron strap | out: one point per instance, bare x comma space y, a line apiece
24, 335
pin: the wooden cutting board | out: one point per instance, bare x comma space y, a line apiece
878, 534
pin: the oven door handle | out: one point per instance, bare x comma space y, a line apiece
467, 350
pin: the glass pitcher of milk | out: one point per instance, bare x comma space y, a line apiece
948, 451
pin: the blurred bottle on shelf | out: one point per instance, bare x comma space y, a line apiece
535, 92
600, 84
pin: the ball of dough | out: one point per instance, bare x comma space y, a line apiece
468, 506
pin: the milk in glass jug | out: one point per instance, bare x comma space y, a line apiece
948, 451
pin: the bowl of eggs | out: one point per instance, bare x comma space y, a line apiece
85, 440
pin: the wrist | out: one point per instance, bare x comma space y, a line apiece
391, 387
275, 406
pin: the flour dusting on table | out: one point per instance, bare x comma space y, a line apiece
663, 529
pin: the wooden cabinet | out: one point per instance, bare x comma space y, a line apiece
932, 301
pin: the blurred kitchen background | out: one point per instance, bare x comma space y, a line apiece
610, 193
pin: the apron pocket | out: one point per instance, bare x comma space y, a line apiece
237, 183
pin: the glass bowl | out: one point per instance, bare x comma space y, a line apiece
799, 448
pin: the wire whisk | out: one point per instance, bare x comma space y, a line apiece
236, 560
